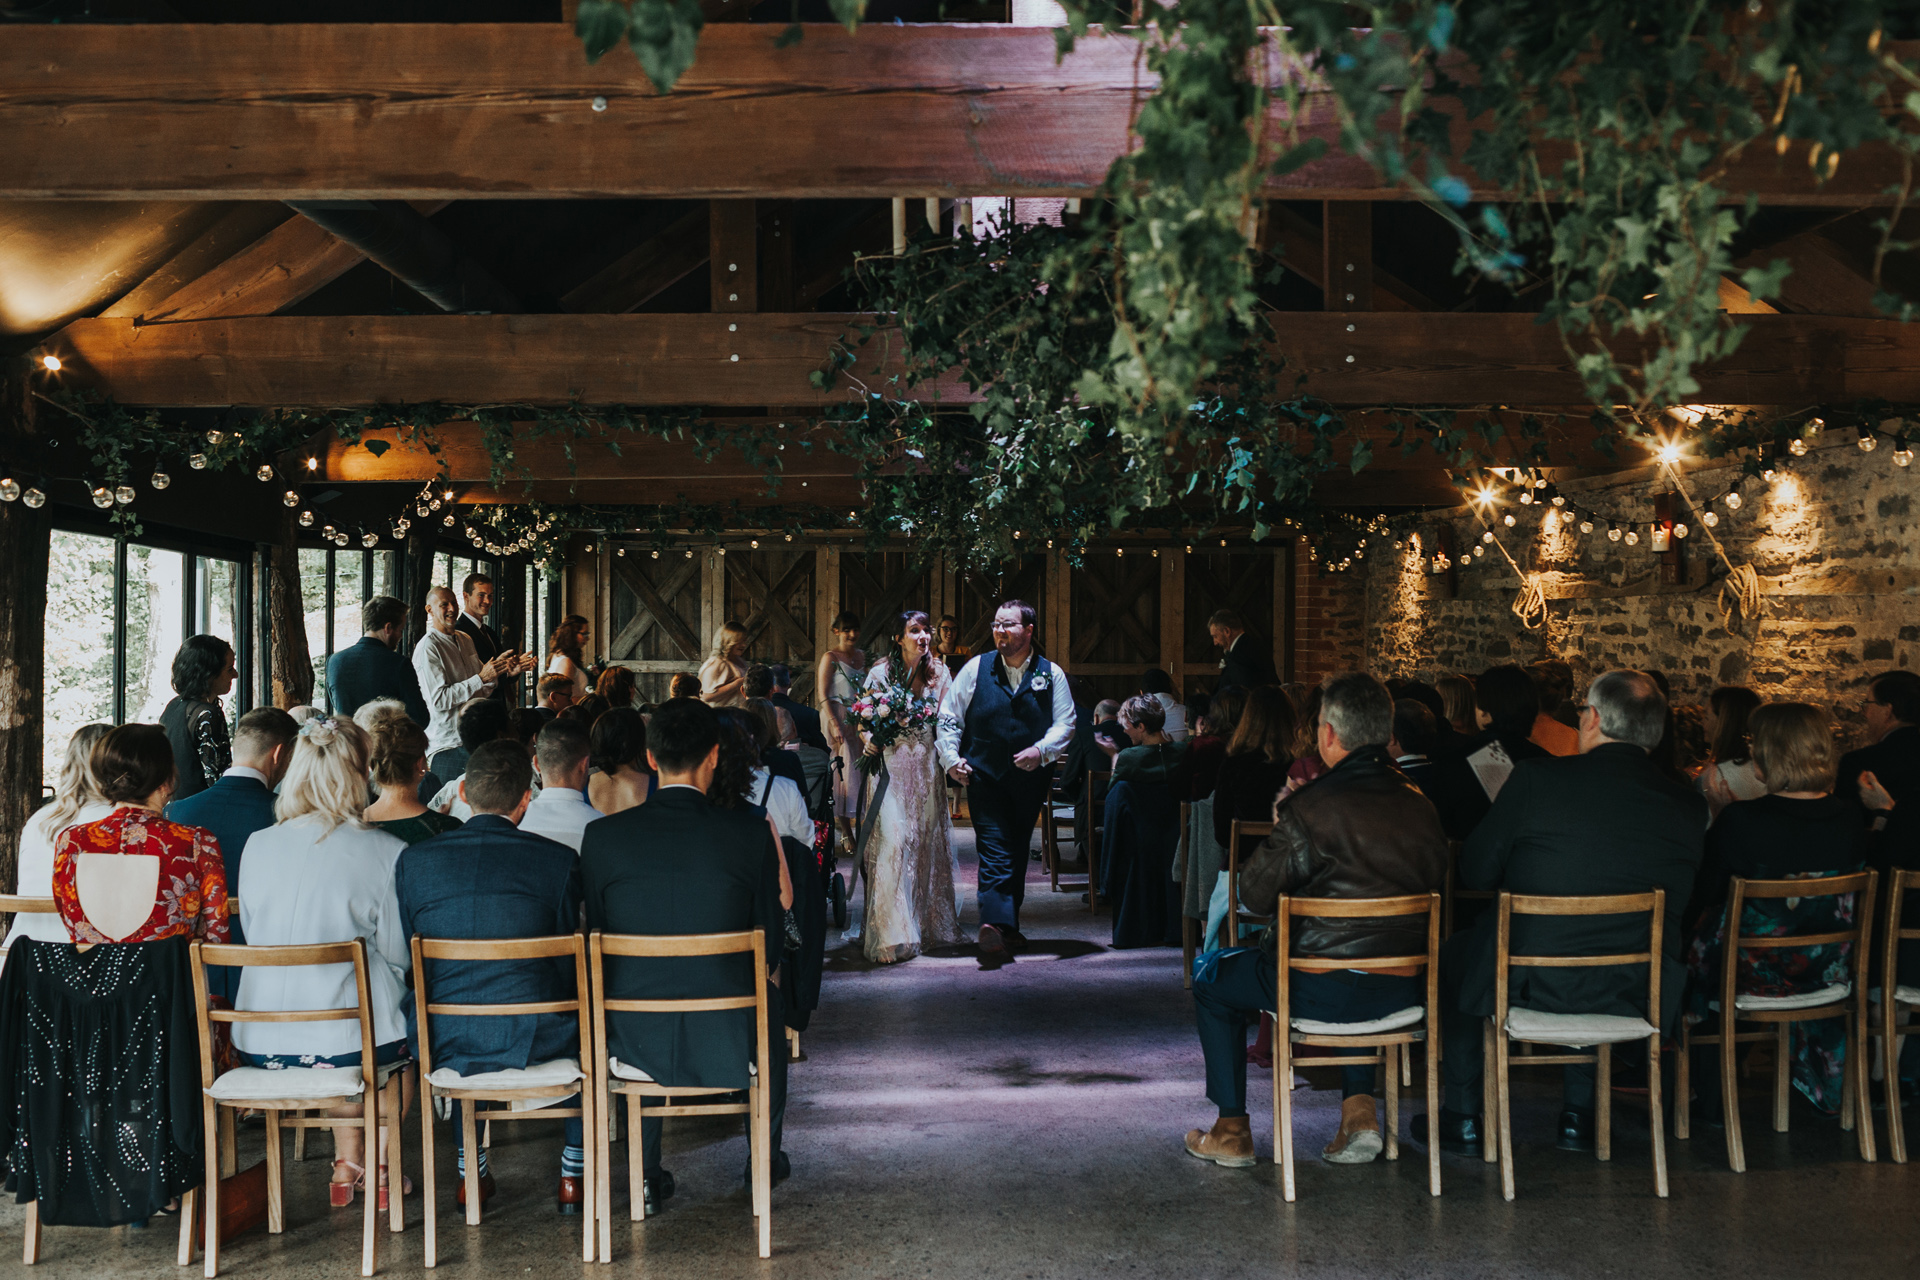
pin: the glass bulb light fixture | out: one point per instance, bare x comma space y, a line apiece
1586, 526
35, 498
1710, 519
1868, 441
369, 540
124, 495
291, 497
9, 489
1797, 447
1526, 497
216, 437
447, 520
1816, 425
1733, 501
1902, 453
1508, 520
1633, 538
159, 479
1613, 533
1487, 536
102, 497
198, 462
1679, 530
264, 474
306, 519
1480, 550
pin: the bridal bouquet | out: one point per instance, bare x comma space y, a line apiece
889, 714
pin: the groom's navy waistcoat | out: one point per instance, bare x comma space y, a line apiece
1002, 722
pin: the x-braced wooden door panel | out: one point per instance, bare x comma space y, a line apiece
1116, 622
771, 592
656, 619
1241, 580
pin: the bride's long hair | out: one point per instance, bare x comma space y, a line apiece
922, 674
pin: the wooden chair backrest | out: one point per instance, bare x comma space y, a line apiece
1509, 905
497, 949
1900, 882
601, 945
1740, 890
14, 904
202, 954
1097, 781
1258, 831
1412, 904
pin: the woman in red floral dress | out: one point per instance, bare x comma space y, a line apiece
134, 764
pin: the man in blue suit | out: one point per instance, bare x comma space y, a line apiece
375, 667
491, 880
239, 804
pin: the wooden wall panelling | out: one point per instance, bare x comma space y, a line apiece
977, 596
1173, 612
654, 607
1116, 634
879, 586
772, 592
1241, 579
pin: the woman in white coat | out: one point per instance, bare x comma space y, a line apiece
321, 874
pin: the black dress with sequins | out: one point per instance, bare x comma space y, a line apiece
99, 1079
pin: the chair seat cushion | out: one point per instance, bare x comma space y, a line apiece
1804, 1000
1575, 1030
243, 1083
1378, 1026
624, 1072
1902, 994
540, 1075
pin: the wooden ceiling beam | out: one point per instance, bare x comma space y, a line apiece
459, 110
742, 360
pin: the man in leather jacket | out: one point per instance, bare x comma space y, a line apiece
1360, 831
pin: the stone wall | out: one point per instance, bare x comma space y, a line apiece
1835, 542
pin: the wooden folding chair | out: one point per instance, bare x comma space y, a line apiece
1054, 818
1510, 1025
1392, 1037
1189, 927
1251, 833
297, 1090
637, 1086
557, 1079
1097, 783
1843, 1000
12, 905
1895, 999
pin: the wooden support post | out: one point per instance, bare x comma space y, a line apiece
1058, 615
25, 543
1173, 618
416, 577
713, 593
1348, 269
292, 662
777, 290
733, 256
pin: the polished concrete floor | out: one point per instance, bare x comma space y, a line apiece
1025, 1122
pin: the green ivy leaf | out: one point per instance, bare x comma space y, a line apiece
600, 24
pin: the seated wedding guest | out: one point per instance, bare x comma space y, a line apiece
1213, 730
1605, 821
1244, 664
637, 878
1800, 830
1552, 684
806, 720
1258, 758
323, 875
783, 763
527, 724
1304, 747
373, 667
617, 686
556, 694
1142, 829
592, 707
770, 787
76, 800
480, 720
1158, 685
1151, 754
397, 760
1360, 831
1457, 693
493, 879
1092, 750
241, 803
1506, 705
1414, 734
561, 811
1883, 778
203, 673
684, 686
182, 892
620, 779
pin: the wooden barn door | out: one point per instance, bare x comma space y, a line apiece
656, 618
771, 592
879, 586
1116, 622
1241, 580
978, 595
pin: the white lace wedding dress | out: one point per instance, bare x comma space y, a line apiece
910, 864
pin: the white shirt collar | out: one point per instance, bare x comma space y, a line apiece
478, 622
1410, 760
248, 771
562, 795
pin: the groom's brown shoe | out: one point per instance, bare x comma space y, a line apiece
991, 943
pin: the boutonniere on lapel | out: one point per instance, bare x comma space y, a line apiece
1223, 664
1040, 684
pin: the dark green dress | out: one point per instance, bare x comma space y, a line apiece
415, 829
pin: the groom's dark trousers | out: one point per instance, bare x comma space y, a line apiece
1004, 813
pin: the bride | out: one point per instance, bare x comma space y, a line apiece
910, 863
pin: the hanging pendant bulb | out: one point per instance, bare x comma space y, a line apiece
1868, 441
1902, 453
306, 519
1508, 520
1679, 531
34, 498
216, 437
447, 520
9, 490
102, 497
1487, 536
291, 498
1633, 538
1613, 533
369, 540
198, 462
159, 479
264, 475
1480, 550
1733, 501
1797, 447
1710, 519
1816, 425
124, 495
1586, 526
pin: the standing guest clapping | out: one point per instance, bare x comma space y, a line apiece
203, 673
323, 875
451, 673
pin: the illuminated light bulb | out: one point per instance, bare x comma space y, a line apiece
447, 520
1483, 496
291, 497
264, 474
421, 510
1487, 536
656, 555
1633, 538
1526, 497
398, 533
1480, 550
1797, 447
369, 540
9, 490
1768, 474
689, 552
1868, 442
1119, 551
1508, 520
216, 437
124, 495
198, 462
159, 479
1679, 531
306, 519
1586, 526
1668, 454
1816, 425
723, 551
755, 544
1710, 519
326, 531
1902, 454
621, 552
1733, 502
102, 497
448, 495
50, 363
432, 506
313, 463
1613, 533
34, 498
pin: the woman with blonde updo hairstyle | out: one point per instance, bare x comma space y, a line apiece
322, 874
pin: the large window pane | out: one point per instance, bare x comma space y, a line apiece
313, 605
79, 641
384, 583
219, 593
442, 569
155, 600
348, 581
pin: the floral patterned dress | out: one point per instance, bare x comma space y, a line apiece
191, 897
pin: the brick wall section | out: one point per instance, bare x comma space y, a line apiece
1330, 619
1836, 547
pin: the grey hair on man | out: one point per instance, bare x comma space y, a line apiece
1358, 709
1630, 706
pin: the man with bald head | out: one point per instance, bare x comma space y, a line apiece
451, 672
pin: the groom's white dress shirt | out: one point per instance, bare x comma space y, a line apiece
953, 709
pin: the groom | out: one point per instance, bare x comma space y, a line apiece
1006, 718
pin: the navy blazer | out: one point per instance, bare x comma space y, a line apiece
361, 672
233, 808
489, 879
678, 865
